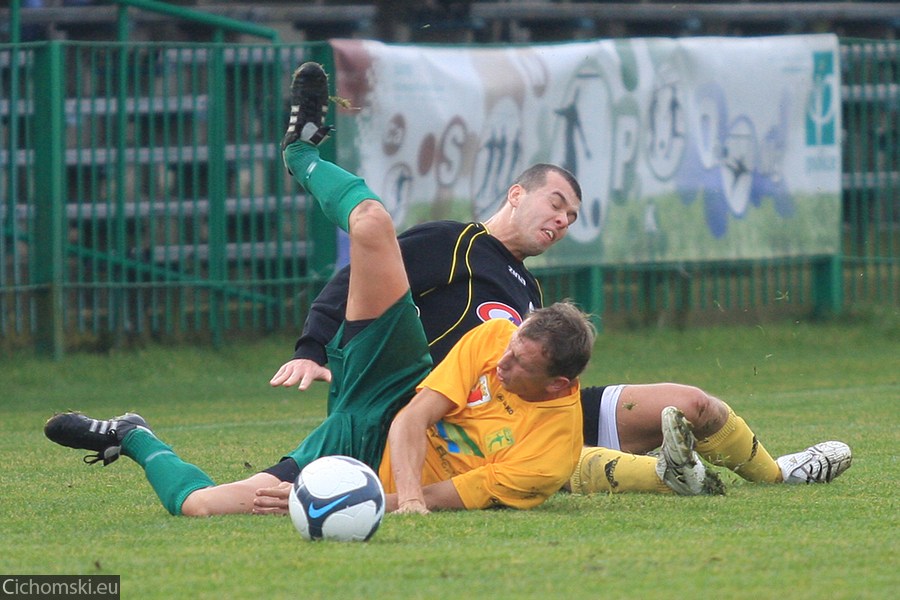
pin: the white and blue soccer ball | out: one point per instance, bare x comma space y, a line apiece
337, 498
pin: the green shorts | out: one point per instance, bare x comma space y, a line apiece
372, 377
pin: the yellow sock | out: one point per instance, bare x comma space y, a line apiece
611, 471
735, 446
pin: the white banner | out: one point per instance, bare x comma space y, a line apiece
686, 149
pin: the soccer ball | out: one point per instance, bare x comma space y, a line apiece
337, 498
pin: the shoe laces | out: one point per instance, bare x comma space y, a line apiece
102, 455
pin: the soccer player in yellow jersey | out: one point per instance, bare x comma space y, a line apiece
501, 417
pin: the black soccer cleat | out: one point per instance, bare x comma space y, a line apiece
76, 430
309, 105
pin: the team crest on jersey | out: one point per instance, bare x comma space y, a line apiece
497, 310
498, 440
457, 440
480, 394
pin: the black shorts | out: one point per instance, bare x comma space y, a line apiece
590, 409
286, 470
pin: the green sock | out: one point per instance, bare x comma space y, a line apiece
337, 191
298, 157
171, 478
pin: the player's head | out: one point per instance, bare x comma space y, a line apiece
535, 176
540, 206
566, 335
547, 353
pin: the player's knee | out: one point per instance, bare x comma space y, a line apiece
706, 413
369, 219
210, 501
194, 506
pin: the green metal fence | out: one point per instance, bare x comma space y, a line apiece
142, 195
871, 98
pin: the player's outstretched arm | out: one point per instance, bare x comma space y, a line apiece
300, 372
408, 445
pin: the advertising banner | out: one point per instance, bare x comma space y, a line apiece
686, 149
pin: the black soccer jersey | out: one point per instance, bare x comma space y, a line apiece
460, 276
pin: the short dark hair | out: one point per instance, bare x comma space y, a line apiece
536, 176
566, 335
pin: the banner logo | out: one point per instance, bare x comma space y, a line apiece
821, 107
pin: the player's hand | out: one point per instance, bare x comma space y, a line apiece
300, 372
413, 506
272, 500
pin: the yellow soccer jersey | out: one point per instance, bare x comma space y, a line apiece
496, 447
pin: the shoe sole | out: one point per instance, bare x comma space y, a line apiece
832, 458
838, 456
677, 430
678, 449
309, 104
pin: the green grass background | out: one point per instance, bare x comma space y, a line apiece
795, 383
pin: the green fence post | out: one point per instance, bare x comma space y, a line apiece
828, 288
47, 250
589, 293
12, 139
118, 305
123, 23
217, 192
15, 23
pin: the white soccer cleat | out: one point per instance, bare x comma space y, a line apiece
817, 464
678, 465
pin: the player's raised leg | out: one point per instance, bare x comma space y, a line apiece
380, 352
377, 277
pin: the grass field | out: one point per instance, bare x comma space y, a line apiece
794, 383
